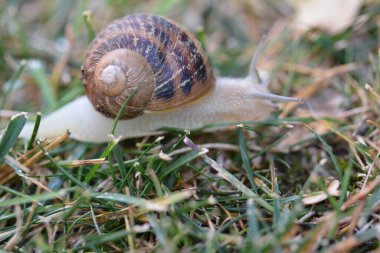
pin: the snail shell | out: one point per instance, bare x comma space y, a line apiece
151, 57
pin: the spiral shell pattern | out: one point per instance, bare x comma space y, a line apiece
151, 57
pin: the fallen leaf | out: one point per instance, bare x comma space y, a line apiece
317, 197
314, 198
331, 16
332, 189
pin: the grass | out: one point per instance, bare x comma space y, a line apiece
242, 189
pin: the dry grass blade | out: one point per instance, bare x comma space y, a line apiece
23, 162
48, 147
87, 162
373, 92
363, 194
17, 233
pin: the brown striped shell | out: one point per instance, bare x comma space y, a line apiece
151, 57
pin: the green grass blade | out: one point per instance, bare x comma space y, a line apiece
245, 158
346, 181
118, 116
95, 168
32, 198
10, 134
253, 224
123, 170
276, 206
16, 75
14, 192
47, 92
269, 147
235, 182
181, 162
122, 198
92, 241
226, 175
87, 17
158, 230
35, 130
61, 169
329, 151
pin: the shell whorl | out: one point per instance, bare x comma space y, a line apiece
152, 54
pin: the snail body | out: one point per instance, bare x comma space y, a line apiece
167, 78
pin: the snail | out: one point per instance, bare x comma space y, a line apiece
163, 71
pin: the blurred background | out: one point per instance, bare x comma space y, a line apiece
302, 40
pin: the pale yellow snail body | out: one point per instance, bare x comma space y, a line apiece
170, 77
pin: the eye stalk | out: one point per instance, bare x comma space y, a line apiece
275, 98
